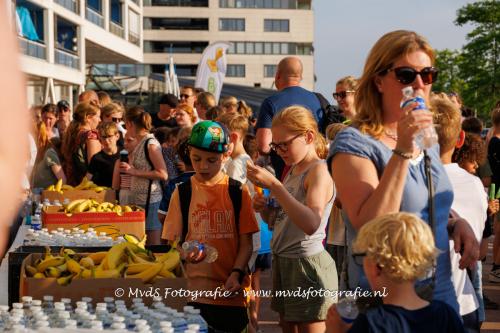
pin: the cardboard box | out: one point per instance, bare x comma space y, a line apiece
113, 224
100, 288
103, 196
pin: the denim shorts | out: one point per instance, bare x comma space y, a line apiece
152, 221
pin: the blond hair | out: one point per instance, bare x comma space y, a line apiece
350, 81
401, 244
333, 129
386, 51
447, 117
107, 128
110, 109
298, 119
234, 123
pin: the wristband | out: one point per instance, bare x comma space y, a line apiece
406, 156
241, 274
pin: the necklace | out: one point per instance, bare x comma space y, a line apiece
391, 136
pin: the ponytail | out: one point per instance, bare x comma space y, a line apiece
139, 117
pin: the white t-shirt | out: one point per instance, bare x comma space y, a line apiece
237, 169
470, 202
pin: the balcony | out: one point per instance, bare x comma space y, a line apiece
94, 17
134, 38
32, 48
116, 29
71, 5
67, 59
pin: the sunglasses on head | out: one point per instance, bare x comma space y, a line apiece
406, 75
342, 94
116, 120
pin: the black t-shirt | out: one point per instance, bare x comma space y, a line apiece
437, 317
494, 159
157, 122
101, 167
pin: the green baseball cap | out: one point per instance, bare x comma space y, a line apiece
209, 136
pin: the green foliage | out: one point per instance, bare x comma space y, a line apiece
474, 71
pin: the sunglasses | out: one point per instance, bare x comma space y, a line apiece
406, 75
283, 146
116, 120
342, 94
184, 96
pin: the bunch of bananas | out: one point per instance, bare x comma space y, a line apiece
128, 259
93, 206
84, 185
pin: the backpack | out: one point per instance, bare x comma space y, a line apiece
331, 113
185, 192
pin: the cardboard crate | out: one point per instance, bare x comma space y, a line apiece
100, 288
103, 196
113, 224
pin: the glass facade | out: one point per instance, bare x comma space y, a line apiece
175, 23
271, 48
230, 24
274, 4
235, 71
276, 25
174, 47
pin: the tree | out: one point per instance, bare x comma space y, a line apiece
479, 64
449, 80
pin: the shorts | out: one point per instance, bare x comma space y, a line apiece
223, 318
152, 221
316, 273
263, 262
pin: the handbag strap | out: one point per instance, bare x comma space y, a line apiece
431, 209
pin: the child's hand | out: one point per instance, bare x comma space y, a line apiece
493, 206
334, 322
259, 203
126, 168
232, 284
260, 176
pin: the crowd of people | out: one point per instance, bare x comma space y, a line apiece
331, 198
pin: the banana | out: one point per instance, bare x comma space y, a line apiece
127, 209
67, 187
51, 188
83, 184
117, 209
92, 210
99, 189
148, 274
167, 274
97, 257
82, 207
52, 272
136, 258
73, 266
63, 268
86, 273
110, 273
87, 262
39, 276
58, 185
50, 262
65, 280
171, 259
31, 271
71, 206
134, 240
115, 255
69, 252
138, 268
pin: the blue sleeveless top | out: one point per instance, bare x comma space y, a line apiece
415, 200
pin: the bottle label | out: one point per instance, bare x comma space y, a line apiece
417, 99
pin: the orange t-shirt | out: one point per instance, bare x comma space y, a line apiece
211, 221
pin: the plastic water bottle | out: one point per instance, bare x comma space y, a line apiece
48, 304
347, 309
36, 222
426, 137
179, 324
195, 252
195, 318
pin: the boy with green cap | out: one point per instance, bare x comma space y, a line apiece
214, 220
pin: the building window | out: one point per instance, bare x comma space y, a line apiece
235, 71
116, 11
226, 24
269, 70
176, 3
174, 47
270, 48
276, 25
175, 23
276, 4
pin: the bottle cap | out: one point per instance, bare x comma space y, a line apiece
27, 298
165, 324
194, 327
17, 305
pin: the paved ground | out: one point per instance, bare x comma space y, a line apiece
269, 319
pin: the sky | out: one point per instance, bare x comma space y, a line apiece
346, 30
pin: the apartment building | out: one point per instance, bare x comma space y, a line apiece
261, 31
58, 39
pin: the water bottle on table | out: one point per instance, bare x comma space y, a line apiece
195, 252
426, 137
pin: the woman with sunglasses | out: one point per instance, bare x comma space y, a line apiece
344, 95
378, 170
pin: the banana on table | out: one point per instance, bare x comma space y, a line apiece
128, 259
93, 206
84, 185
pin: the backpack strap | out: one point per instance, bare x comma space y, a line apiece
185, 192
146, 153
235, 194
